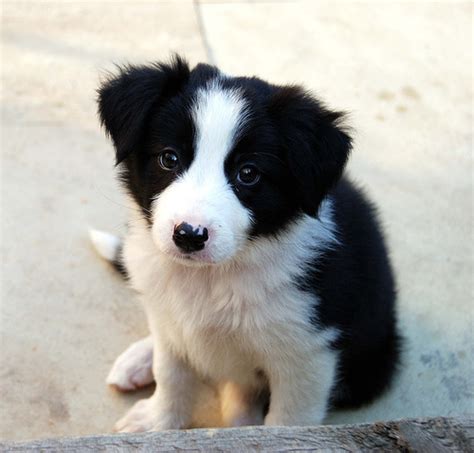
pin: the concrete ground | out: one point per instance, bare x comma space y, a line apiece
402, 70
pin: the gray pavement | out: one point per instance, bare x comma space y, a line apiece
403, 71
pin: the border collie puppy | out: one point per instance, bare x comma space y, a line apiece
261, 270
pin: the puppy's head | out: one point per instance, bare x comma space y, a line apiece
214, 161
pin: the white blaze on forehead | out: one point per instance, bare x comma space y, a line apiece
219, 115
202, 195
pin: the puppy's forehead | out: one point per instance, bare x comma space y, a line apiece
219, 114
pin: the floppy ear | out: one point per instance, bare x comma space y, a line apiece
126, 100
317, 146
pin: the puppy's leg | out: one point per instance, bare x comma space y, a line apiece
172, 404
240, 406
133, 368
300, 387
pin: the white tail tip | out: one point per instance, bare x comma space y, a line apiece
107, 245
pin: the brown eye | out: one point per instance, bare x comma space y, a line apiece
248, 175
168, 160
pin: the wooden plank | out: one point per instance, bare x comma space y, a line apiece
425, 435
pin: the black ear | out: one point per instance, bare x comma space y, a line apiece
126, 99
316, 144
203, 72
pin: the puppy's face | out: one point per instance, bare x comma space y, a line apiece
215, 161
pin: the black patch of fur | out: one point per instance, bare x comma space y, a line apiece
317, 146
356, 287
126, 100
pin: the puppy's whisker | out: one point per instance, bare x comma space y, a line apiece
129, 208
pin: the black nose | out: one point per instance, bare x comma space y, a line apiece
188, 238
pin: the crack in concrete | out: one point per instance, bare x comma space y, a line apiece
202, 31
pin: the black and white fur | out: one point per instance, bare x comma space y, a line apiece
287, 304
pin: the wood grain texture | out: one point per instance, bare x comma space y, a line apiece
424, 435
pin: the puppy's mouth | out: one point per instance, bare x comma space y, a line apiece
194, 259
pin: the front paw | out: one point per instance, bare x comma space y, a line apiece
133, 368
141, 417
148, 415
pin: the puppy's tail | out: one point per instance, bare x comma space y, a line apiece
109, 247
